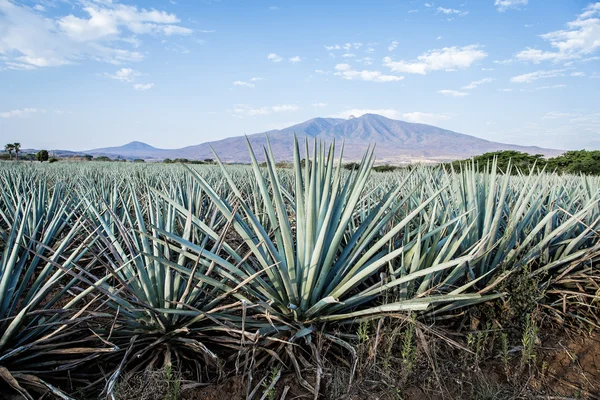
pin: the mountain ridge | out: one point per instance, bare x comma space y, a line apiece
395, 142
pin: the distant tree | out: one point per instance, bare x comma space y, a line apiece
103, 158
571, 162
519, 161
209, 160
167, 161
385, 168
17, 148
351, 166
181, 160
577, 162
42, 155
52, 160
88, 157
139, 160
9, 148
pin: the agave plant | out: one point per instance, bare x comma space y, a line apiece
322, 246
41, 335
160, 275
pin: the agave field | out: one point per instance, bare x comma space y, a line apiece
108, 269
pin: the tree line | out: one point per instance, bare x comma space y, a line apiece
571, 162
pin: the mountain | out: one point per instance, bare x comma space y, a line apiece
131, 150
395, 141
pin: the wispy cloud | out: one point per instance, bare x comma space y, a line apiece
451, 11
503, 5
250, 83
445, 59
124, 75
474, 84
143, 86
347, 72
393, 45
244, 84
416, 116
357, 112
557, 115
249, 111
295, 59
452, 93
20, 113
426, 118
557, 86
319, 105
534, 76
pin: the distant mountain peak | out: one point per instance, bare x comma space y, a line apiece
397, 142
138, 145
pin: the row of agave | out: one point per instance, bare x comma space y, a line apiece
110, 269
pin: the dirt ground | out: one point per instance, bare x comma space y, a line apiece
572, 366
567, 367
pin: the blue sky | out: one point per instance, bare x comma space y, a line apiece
93, 73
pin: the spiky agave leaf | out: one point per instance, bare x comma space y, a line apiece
39, 333
327, 245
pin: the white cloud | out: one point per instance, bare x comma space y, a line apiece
578, 74
143, 86
450, 11
452, 93
321, 72
39, 7
581, 38
124, 75
534, 76
474, 84
356, 112
355, 45
505, 90
345, 46
416, 117
348, 55
393, 45
295, 59
30, 40
274, 57
249, 111
446, 59
426, 118
319, 105
346, 72
503, 5
23, 112
439, 38
106, 21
